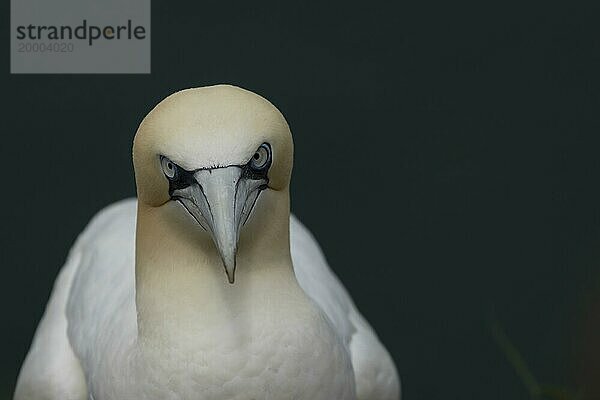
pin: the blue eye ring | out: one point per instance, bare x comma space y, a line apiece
261, 158
168, 167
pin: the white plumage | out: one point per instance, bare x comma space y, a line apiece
150, 315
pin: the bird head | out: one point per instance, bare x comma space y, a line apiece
213, 151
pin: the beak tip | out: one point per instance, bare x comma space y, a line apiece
231, 276
230, 271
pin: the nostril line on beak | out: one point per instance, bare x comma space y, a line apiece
212, 217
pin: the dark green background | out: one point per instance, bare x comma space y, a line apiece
446, 160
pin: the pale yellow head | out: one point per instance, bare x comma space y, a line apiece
216, 152
208, 127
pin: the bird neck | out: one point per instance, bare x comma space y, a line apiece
181, 286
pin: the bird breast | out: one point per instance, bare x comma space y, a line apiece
279, 358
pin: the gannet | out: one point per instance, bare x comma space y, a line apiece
205, 287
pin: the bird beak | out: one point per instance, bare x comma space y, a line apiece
221, 202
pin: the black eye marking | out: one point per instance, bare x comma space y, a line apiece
178, 177
256, 168
258, 165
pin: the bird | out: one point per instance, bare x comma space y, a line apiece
204, 286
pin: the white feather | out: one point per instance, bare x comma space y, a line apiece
86, 341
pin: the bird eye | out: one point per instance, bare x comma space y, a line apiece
261, 157
168, 167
